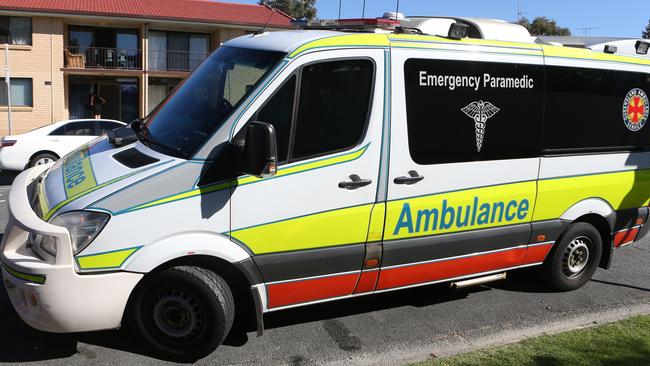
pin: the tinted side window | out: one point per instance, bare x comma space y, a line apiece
59, 131
278, 111
460, 111
105, 126
333, 107
586, 109
84, 128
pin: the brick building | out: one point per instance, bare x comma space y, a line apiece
132, 53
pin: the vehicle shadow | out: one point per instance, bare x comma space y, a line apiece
20, 343
7, 177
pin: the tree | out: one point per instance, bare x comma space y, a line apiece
646, 32
298, 9
543, 26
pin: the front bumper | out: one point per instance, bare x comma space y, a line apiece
52, 296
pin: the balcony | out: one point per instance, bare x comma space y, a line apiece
178, 61
102, 58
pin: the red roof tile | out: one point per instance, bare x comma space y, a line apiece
186, 10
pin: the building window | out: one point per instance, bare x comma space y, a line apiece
177, 51
21, 93
15, 30
159, 88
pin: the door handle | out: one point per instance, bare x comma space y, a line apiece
412, 178
354, 182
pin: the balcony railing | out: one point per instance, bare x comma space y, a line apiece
163, 60
102, 58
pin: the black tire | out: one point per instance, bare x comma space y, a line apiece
563, 269
40, 157
182, 313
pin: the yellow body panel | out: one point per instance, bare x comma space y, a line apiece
476, 205
465, 41
621, 190
107, 260
377, 218
343, 226
586, 54
78, 175
345, 40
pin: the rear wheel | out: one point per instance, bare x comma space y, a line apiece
182, 313
575, 258
44, 158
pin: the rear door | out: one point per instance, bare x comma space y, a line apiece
308, 225
464, 163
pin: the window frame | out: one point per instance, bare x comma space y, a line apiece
255, 115
31, 30
296, 103
31, 97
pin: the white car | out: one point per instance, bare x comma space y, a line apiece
49, 143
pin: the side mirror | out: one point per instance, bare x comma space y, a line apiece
260, 153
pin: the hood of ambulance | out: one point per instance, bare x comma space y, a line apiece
92, 172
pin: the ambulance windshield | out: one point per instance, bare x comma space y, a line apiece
201, 104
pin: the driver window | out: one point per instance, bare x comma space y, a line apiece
278, 111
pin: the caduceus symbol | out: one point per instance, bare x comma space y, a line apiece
480, 111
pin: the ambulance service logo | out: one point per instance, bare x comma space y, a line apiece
480, 112
635, 109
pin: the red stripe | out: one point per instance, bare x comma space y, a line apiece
625, 236
434, 271
367, 282
537, 254
289, 293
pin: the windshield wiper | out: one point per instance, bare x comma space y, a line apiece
142, 132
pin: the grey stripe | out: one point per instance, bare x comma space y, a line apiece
310, 263
428, 248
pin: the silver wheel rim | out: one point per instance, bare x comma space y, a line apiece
43, 161
177, 314
576, 257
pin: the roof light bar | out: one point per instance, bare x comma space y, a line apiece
360, 24
642, 47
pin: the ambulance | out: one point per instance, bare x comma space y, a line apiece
340, 160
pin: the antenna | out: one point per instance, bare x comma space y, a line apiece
267, 21
586, 29
397, 10
519, 12
339, 18
363, 11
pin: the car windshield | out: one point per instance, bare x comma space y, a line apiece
201, 104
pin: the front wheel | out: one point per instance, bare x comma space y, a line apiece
574, 259
182, 313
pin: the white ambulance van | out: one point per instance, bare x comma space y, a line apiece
298, 167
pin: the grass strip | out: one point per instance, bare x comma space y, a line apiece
626, 342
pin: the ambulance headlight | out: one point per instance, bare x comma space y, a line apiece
83, 227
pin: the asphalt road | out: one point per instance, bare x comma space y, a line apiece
390, 328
